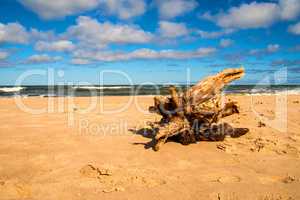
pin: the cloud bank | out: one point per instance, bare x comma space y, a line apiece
143, 54
49, 9
41, 58
256, 14
173, 8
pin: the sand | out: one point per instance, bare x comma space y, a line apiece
67, 154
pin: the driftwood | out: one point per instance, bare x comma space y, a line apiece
194, 115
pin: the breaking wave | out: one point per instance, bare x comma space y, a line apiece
101, 87
11, 89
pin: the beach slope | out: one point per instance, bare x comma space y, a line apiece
64, 151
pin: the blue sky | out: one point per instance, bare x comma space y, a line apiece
149, 40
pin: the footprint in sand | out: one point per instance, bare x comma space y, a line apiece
23, 190
121, 179
92, 172
147, 181
221, 178
225, 196
289, 179
273, 179
229, 179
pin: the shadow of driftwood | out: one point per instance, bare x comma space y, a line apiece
213, 134
147, 145
147, 133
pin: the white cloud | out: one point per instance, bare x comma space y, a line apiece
125, 9
214, 34
144, 54
42, 58
226, 43
59, 46
3, 55
295, 29
50, 9
251, 15
172, 8
271, 48
80, 61
42, 35
256, 15
13, 33
290, 9
16, 33
91, 33
207, 15
172, 29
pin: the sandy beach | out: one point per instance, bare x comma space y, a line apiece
66, 153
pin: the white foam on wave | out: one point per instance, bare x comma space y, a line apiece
100, 87
294, 91
11, 89
276, 92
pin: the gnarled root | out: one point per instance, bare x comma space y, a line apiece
176, 126
200, 104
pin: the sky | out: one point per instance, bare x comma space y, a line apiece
147, 41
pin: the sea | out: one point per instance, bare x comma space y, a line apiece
125, 90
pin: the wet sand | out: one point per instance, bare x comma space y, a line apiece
66, 153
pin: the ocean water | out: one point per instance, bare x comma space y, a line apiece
124, 90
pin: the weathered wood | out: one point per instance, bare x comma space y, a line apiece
176, 99
199, 105
211, 86
174, 127
229, 109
